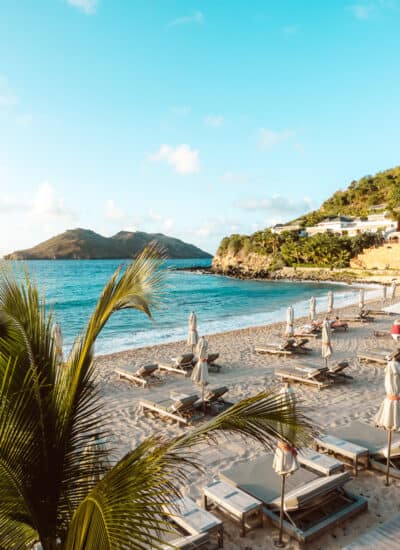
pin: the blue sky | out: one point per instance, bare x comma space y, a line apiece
193, 118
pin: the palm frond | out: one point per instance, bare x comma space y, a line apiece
124, 509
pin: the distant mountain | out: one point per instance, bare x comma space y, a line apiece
84, 244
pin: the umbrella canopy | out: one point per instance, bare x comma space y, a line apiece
326, 347
388, 416
330, 302
289, 321
313, 309
285, 459
384, 293
57, 337
393, 289
200, 371
361, 299
193, 336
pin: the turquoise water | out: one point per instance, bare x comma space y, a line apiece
221, 303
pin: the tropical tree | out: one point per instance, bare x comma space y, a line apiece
57, 483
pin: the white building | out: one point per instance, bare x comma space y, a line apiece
353, 226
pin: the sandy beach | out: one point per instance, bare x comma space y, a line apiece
246, 373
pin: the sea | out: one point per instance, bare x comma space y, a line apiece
72, 288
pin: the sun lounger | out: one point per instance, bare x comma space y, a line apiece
195, 520
339, 326
179, 365
378, 357
182, 410
335, 371
214, 400
363, 444
385, 536
319, 463
308, 331
305, 375
239, 505
312, 505
190, 542
291, 346
142, 376
382, 334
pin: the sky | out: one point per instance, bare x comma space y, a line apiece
194, 118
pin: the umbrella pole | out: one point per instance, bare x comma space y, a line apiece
388, 457
202, 399
279, 541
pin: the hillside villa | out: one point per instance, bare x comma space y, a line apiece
346, 225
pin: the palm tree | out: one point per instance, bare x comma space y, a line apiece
57, 485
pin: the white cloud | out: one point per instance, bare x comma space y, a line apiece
87, 6
277, 205
232, 177
47, 204
219, 227
361, 11
112, 212
182, 158
7, 96
197, 18
152, 222
268, 138
214, 120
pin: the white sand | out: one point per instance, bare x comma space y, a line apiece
247, 373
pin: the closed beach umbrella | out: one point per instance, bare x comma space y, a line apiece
388, 416
285, 463
313, 309
384, 293
361, 299
393, 289
193, 337
289, 321
330, 302
326, 347
57, 337
200, 371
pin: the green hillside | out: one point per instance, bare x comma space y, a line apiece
381, 190
371, 193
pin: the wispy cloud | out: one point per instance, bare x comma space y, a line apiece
214, 120
267, 138
276, 205
112, 212
183, 158
86, 6
197, 18
371, 8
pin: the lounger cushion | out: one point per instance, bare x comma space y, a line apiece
146, 370
212, 357
370, 437
184, 402
184, 359
215, 393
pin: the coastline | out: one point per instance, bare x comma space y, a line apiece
245, 373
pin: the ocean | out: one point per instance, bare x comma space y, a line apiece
221, 303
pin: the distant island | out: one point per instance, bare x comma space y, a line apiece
84, 244
343, 233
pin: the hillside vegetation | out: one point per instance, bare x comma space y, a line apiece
86, 244
383, 190
275, 251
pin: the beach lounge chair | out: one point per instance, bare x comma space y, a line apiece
214, 400
363, 445
194, 519
290, 346
319, 463
189, 542
142, 376
335, 372
179, 365
362, 317
305, 374
312, 505
182, 410
239, 505
337, 325
377, 356
384, 536
308, 331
